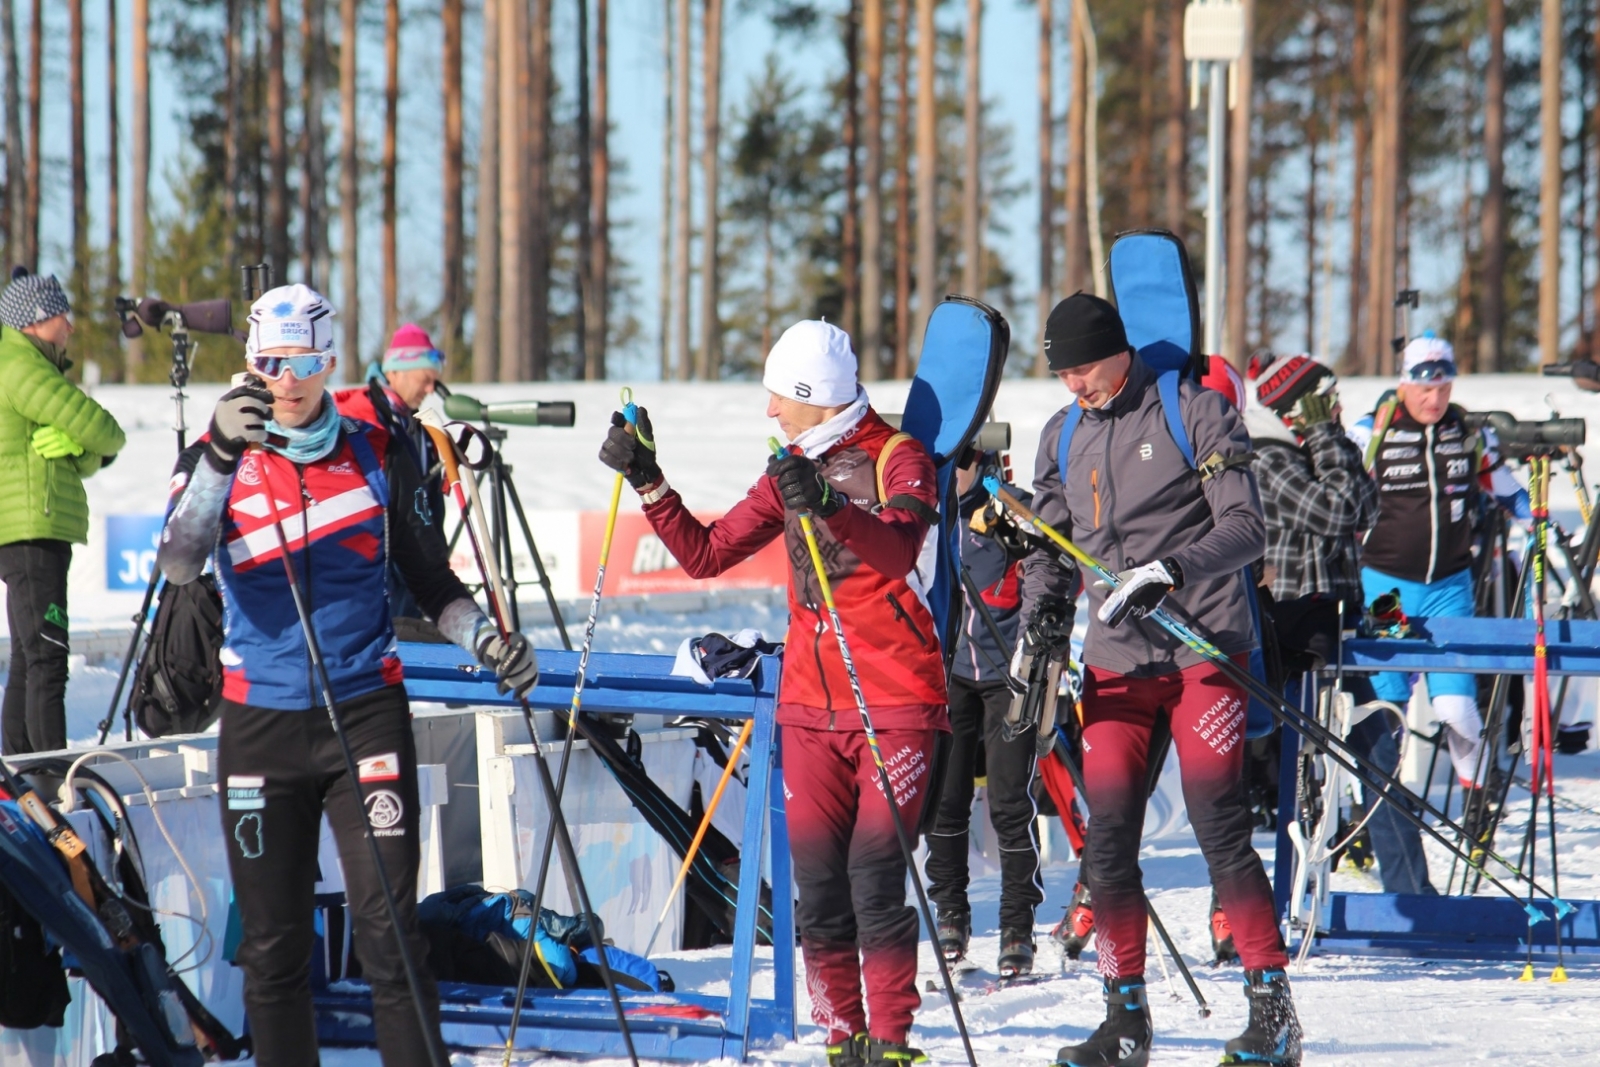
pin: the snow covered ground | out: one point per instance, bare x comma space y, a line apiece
1356, 1011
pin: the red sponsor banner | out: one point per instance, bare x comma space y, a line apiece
640, 562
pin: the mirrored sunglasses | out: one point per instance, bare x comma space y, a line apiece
1431, 372
302, 366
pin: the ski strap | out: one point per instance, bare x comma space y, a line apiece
904, 501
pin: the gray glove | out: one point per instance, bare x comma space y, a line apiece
512, 659
239, 421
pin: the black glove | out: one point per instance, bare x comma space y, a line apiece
512, 659
239, 421
803, 486
632, 453
1140, 591
1049, 629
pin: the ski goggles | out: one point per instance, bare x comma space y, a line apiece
303, 366
1430, 372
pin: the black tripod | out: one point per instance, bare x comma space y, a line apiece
179, 377
504, 502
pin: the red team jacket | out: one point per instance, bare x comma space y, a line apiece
870, 551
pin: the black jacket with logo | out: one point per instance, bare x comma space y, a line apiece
1426, 486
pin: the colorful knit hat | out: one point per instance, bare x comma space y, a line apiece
412, 349
31, 299
1283, 381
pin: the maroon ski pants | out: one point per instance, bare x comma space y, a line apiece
1206, 711
855, 925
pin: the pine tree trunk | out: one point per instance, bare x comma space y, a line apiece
233, 117
710, 319
314, 166
139, 259
1237, 294
1047, 179
113, 159
1387, 166
80, 161
391, 164
849, 223
16, 179
30, 229
1550, 182
585, 175
277, 145
871, 337
1177, 184
1076, 223
599, 291
514, 185
1310, 299
486, 304
680, 166
540, 217
1140, 166
349, 187
1594, 297
972, 181
1491, 316
1359, 144
902, 198
453, 302
927, 266
664, 288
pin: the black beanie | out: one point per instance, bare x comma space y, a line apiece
1082, 329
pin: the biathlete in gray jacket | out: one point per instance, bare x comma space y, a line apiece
1131, 499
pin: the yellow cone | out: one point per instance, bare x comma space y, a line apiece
1527, 974
1558, 975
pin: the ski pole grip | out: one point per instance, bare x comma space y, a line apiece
442, 443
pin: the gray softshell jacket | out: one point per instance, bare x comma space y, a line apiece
1130, 497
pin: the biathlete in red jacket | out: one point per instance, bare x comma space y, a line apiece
344, 493
1128, 496
855, 926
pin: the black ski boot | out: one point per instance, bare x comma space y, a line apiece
892, 1053
955, 931
1273, 1036
851, 1052
1123, 1040
1072, 933
1016, 953
1222, 947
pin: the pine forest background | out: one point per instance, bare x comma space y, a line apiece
564, 189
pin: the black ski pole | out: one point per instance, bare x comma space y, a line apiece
1179, 624
1075, 772
557, 830
320, 669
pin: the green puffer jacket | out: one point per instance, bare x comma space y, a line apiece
45, 497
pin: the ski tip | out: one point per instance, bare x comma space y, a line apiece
1559, 974
1527, 973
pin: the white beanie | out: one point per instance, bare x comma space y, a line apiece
812, 363
291, 316
1433, 355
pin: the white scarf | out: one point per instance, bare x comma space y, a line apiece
817, 440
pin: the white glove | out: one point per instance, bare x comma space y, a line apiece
1140, 591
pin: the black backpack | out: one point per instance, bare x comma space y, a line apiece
178, 686
33, 985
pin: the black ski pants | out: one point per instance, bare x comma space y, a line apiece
977, 725
34, 716
280, 771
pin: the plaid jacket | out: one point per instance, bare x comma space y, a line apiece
1318, 499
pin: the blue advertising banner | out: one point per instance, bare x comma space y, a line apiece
131, 542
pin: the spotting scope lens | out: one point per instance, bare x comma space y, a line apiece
560, 413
